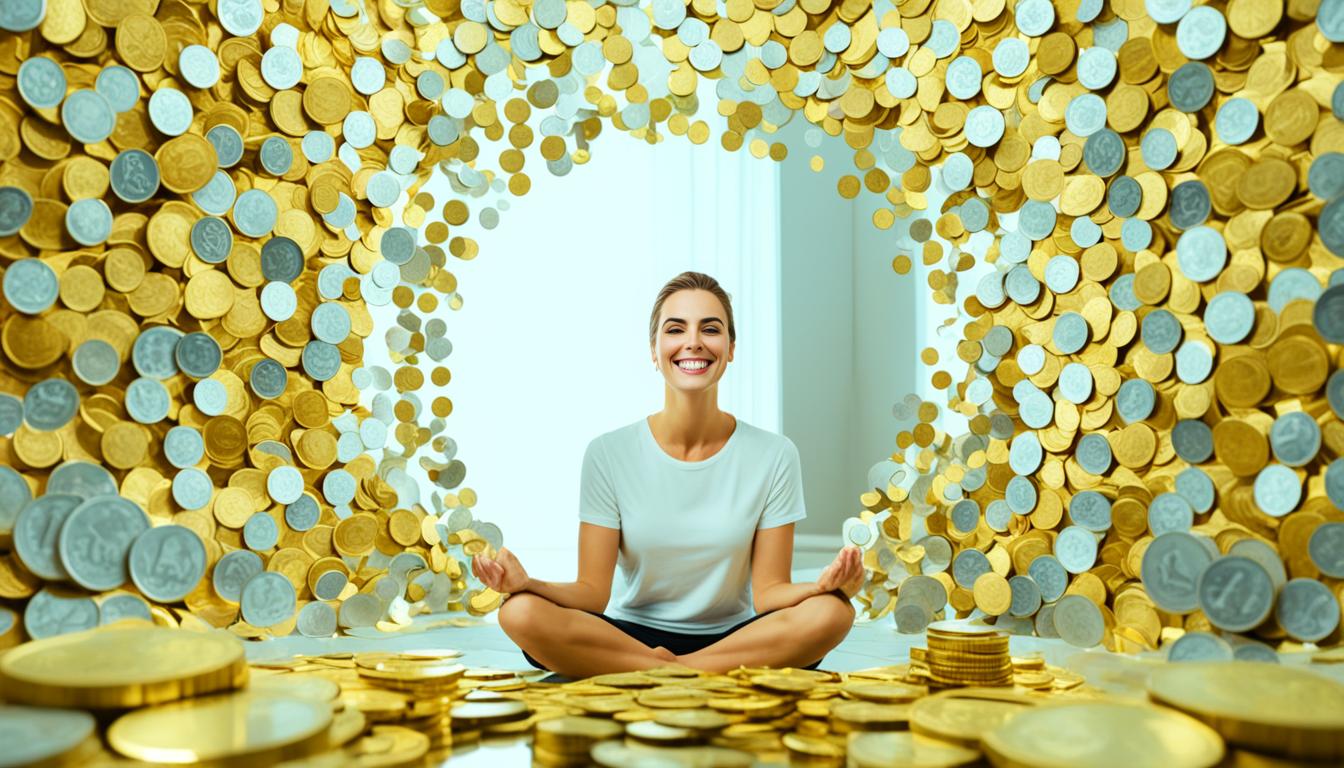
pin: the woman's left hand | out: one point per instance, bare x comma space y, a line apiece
845, 572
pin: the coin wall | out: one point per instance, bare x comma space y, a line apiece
1153, 389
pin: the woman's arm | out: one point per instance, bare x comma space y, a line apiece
598, 547
772, 585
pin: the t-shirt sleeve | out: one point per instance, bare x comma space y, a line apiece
597, 493
784, 504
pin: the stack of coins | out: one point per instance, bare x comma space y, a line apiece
963, 654
431, 690
567, 741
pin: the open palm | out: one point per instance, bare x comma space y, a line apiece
503, 574
845, 572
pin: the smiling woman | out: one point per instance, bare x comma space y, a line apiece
697, 509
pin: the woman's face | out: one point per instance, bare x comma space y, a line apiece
692, 326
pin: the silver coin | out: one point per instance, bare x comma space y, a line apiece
1190, 207
281, 260
134, 175
1307, 610
53, 612
11, 414
96, 538
1201, 32
1159, 149
965, 516
1190, 87
330, 585
147, 401
16, 207
1026, 596
369, 77
123, 606
398, 245
321, 361
240, 17
1236, 121
1328, 314
1193, 440
1334, 483
1021, 286
331, 322
1085, 115
170, 111
192, 488
1169, 512
1135, 400
268, 599
14, 496
198, 66
911, 617
35, 534
1070, 333
1079, 622
167, 562
50, 404
30, 286
228, 144
83, 479
255, 214
1194, 362
281, 67
1326, 547
276, 156
120, 86
360, 610
1050, 575
41, 82
1166, 11
21, 16
1124, 196
89, 221
1076, 549
1036, 218
1195, 486
1295, 438
284, 485
1293, 284
198, 355
260, 532
998, 340
183, 446
1171, 568
154, 352
1323, 177
1104, 152
984, 124
233, 571
1199, 646
1061, 274
317, 619
1235, 593
87, 116
1034, 17
210, 397
338, 487
278, 301
211, 239
1075, 383
303, 513
968, 566
1277, 490
1025, 453
268, 378
1097, 68
1021, 495
217, 196
95, 362
1330, 20
1161, 332
1045, 621
1253, 651
1229, 317
1094, 454
1090, 510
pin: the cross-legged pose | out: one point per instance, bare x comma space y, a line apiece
697, 507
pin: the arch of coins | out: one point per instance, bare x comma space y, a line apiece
198, 206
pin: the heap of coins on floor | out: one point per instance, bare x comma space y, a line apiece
135, 691
1152, 387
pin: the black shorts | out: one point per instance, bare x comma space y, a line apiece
680, 643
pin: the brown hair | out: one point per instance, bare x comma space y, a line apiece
691, 281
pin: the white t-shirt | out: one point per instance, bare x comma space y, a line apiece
687, 526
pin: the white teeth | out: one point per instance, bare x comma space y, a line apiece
693, 365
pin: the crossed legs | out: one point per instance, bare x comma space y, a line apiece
578, 644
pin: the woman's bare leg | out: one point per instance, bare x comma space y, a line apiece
790, 637
572, 642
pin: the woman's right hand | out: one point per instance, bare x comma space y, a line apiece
503, 573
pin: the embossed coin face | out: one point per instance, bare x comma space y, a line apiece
1199, 646
1171, 568
268, 599
94, 541
1306, 609
1235, 593
30, 285
35, 534
233, 571
42, 735
167, 562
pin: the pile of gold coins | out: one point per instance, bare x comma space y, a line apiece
962, 655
